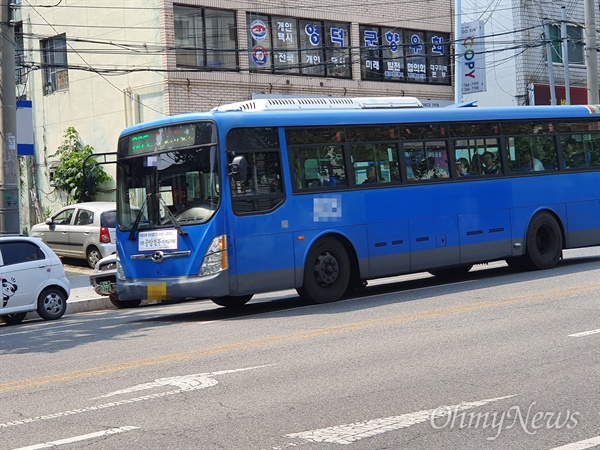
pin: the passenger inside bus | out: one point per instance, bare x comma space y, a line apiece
490, 163
574, 156
462, 167
371, 175
528, 163
476, 167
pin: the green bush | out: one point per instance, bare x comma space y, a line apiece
69, 175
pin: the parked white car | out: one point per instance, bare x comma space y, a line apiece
83, 231
33, 279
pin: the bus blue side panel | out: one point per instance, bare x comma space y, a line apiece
484, 236
587, 217
389, 248
434, 242
263, 260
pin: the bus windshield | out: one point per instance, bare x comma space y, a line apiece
169, 189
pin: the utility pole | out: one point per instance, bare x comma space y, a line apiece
565, 54
9, 165
548, 40
591, 53
458, 74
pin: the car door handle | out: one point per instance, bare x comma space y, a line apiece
43, 266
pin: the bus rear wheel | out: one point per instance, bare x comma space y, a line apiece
326, 272
231, 301
543, 245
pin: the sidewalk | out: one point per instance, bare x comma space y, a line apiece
83, 298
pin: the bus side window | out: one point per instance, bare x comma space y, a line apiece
531, 153
426, 160
373, 163
318, 166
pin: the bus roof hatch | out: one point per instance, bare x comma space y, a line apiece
321, 103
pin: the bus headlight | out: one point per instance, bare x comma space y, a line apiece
215, 259
120, 272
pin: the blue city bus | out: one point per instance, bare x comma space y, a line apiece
321, 195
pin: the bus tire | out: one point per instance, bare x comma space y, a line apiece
122, 304
326, 272
232, 301
452, 272
543, 245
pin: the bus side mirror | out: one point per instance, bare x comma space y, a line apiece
238, 168
89, 186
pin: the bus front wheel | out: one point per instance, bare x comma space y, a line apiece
543, 245
326, 272
231, 301
123, 304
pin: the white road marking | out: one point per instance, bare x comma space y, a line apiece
352, 432
585, 333
83, 437
581, 445
185, 383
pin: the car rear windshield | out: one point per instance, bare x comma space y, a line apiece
108, 219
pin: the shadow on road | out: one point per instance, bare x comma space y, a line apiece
47, 337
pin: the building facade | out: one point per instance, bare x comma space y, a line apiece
101, 66
516, 34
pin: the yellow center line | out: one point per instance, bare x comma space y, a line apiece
279, 339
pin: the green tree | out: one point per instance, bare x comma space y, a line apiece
69, 176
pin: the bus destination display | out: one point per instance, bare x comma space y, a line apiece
164, 138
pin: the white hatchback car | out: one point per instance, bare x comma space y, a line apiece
83, 230
33, 279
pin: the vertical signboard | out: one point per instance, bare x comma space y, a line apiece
24, 128
337, 50
438, 70
259, 42
416, 60
472, 49
285, 44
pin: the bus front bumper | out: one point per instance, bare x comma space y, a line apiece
179, 288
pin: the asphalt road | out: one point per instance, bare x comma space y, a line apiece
496, 360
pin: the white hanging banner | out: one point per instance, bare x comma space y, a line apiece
471, 50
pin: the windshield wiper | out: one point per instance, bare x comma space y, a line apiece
181, 231
138, 217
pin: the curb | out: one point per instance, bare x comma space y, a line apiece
88, 304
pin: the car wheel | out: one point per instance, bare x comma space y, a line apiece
231, 301
92, 256
52, 303
13, 319
123, 304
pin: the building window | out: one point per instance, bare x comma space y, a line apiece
393, 54
205, 38
298, 46
54, 62
575, 43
